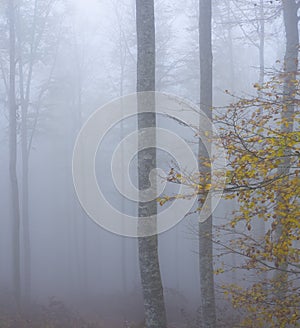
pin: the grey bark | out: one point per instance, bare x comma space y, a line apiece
15, 210
290, 9
155, 314
205, 228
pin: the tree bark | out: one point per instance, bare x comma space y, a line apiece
290, 9
13, 158
205, 228
155, 314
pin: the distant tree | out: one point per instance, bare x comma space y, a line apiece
240, 28
36, 27
15, 206
36, 42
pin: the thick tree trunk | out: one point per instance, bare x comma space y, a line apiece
155, 314
290, 9
13, 157
205, 228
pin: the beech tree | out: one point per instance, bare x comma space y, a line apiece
260, 145
15, 209
262, 138
205, 228
155, 314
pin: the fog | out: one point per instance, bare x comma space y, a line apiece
75, 57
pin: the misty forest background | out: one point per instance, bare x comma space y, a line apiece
60, 60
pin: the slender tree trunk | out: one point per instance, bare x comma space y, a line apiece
25, 203
123, 239
78, 235
290, 9
259, 226
25, 88
205, 228
230, 48
261, 42
25, 159
79, 212
232, 89
155, 314
13, 157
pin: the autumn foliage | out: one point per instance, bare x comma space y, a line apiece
261, 136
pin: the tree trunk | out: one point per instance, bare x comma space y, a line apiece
155, 314
259, 226
261, 42
25, 158
13, 157
205, 228
290, 9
